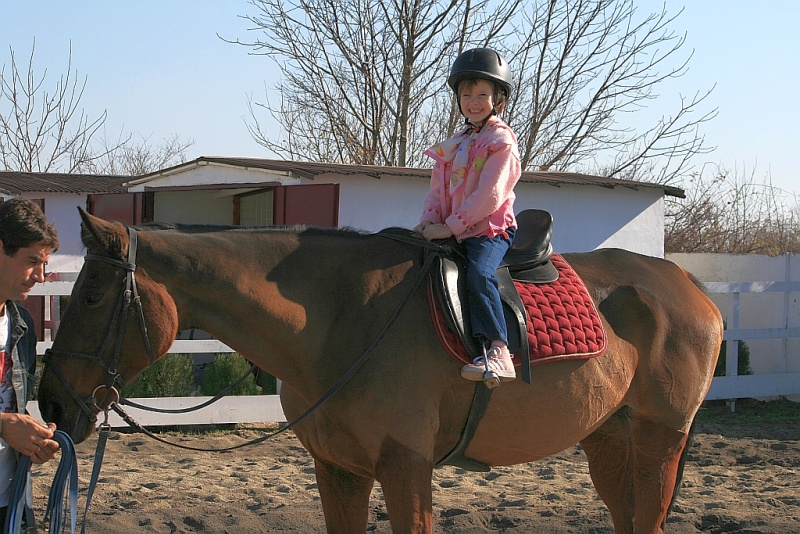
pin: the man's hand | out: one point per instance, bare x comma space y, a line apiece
30, 437
437, 231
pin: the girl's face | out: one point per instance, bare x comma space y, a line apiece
476, 99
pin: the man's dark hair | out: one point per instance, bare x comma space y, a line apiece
22, 224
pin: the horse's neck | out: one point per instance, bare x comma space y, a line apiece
277, 301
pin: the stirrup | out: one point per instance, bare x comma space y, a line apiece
489, 377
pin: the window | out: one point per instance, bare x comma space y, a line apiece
256, 209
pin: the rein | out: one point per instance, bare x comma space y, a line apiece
130, 295
327, 395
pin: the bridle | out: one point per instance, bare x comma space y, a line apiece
129, 295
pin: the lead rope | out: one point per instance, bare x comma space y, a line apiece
102, 439
66, 478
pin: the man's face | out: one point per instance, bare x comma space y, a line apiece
19, 273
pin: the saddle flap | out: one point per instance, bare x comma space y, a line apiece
449, 287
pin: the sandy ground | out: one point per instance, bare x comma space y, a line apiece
742, 475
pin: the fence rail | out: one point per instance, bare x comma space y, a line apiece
733, 386
267, 408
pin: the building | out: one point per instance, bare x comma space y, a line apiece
589, 211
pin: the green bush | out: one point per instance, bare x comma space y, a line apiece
226, 369
743, 367
268, 383
171, 376
37, 378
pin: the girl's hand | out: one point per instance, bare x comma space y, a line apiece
421, 226
437, 231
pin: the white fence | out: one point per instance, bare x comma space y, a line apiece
733, 386
760, 308
267, 408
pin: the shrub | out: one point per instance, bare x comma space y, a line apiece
268, 383
37, 379
171, 376
743, 367
226, 369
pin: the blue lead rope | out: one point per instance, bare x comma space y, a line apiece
66, 478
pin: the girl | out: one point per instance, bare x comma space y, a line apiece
472, 198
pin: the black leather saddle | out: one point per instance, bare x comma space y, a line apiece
527, 260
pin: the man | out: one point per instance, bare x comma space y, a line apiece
26, 241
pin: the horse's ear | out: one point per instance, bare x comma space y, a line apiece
102, 237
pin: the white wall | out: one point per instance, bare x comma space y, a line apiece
588, 217
585, 217
61, 210
372, 204
213, 174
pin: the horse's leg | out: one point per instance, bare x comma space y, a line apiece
658, 449
345, 498
610, 456
634, 466
405, 478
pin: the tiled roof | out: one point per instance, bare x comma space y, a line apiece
17, 183
22, 182
307, 169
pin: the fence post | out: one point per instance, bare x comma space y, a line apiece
732, 347
784, 361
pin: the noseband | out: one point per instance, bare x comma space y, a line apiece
128, 295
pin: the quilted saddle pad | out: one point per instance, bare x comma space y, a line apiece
561, 318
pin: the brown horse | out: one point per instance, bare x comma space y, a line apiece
304, 304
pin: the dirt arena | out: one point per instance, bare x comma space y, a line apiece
742, 475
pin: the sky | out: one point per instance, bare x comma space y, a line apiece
159, 69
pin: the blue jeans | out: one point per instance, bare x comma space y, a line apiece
484, 256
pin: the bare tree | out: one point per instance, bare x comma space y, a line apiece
360, 77
732, 212
129, 156
363, 81
584, 67
43, 128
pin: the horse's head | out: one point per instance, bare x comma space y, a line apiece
117, 322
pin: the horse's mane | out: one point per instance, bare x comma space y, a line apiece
298, 228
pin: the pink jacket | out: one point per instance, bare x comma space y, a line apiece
473, 193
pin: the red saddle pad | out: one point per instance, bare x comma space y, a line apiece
562, 321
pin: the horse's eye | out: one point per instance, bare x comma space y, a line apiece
93, 298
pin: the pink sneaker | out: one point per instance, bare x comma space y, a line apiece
499, 362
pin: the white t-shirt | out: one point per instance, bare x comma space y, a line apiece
7, 401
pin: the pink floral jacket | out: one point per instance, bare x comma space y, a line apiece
472, 183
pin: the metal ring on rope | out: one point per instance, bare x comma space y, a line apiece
93, 398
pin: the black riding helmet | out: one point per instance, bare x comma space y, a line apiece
481, 63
